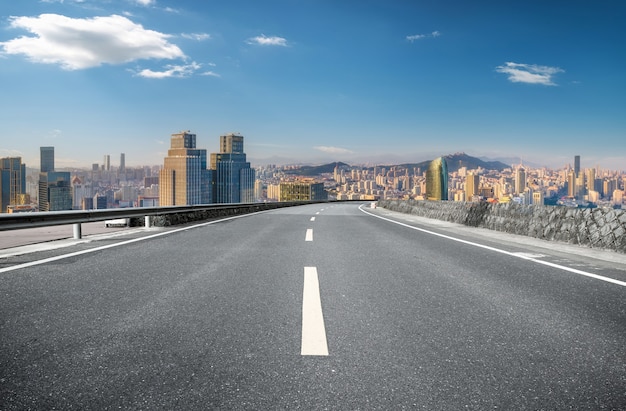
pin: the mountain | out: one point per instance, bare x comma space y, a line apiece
317, 170
454, 161
458, 160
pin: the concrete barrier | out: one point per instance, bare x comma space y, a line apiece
596, 228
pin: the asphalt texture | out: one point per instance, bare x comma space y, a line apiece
210, 317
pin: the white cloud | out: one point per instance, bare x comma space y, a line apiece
196, 36
146, 3
529, 73
178, 71
210, 73
414, 37
77, 44
333, 150
263, 40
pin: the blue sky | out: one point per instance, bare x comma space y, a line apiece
314, 81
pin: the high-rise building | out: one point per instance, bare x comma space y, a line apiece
122, 163
520, 180
55, 191
184, 179
107, 162
80, 191
12, 182
572, 190
591, 179
46, 156
233, 179
576, 165
471, 186
302, 191
437, 180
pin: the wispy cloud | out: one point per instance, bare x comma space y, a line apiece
196, 36
333, 150
263, 40
529, 73
176, 71
210, 74
75, 43
414, 37
146, 3
10, 153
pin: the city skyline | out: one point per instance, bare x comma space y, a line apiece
315, 82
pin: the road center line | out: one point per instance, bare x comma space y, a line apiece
317, 213
523, 256
312, 218
309, 235
313, 330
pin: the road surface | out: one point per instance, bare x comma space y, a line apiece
313, 307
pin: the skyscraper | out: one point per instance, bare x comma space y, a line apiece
232, 176
520, 180
46, 158
107, 162
184, 179
576, 165
122, 163
437, 180
12, 182
471, 186
55, 191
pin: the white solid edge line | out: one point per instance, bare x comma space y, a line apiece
134, 240
313, 330
309, 235
498, 250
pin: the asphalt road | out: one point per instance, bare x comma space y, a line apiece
313, 307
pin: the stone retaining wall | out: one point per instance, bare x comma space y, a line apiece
596, 228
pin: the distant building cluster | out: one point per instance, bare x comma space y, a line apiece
190, 176
572, 187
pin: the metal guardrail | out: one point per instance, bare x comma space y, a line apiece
77, 217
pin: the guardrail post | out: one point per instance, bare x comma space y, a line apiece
147, 221
77, 232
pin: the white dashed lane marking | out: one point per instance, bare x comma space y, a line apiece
313, 329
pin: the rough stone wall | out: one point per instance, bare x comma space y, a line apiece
597, 228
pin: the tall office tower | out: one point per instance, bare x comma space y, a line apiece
609, 185
520, 180
184, 178
437, 180
46, 156
572, 190
122, 163
591, 179
107, 162
471, 186
80, 191
577, 165
233, 178
12, 182
55, 191
258, 189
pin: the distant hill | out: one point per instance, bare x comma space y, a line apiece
455, 161
311, 171
458, 160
